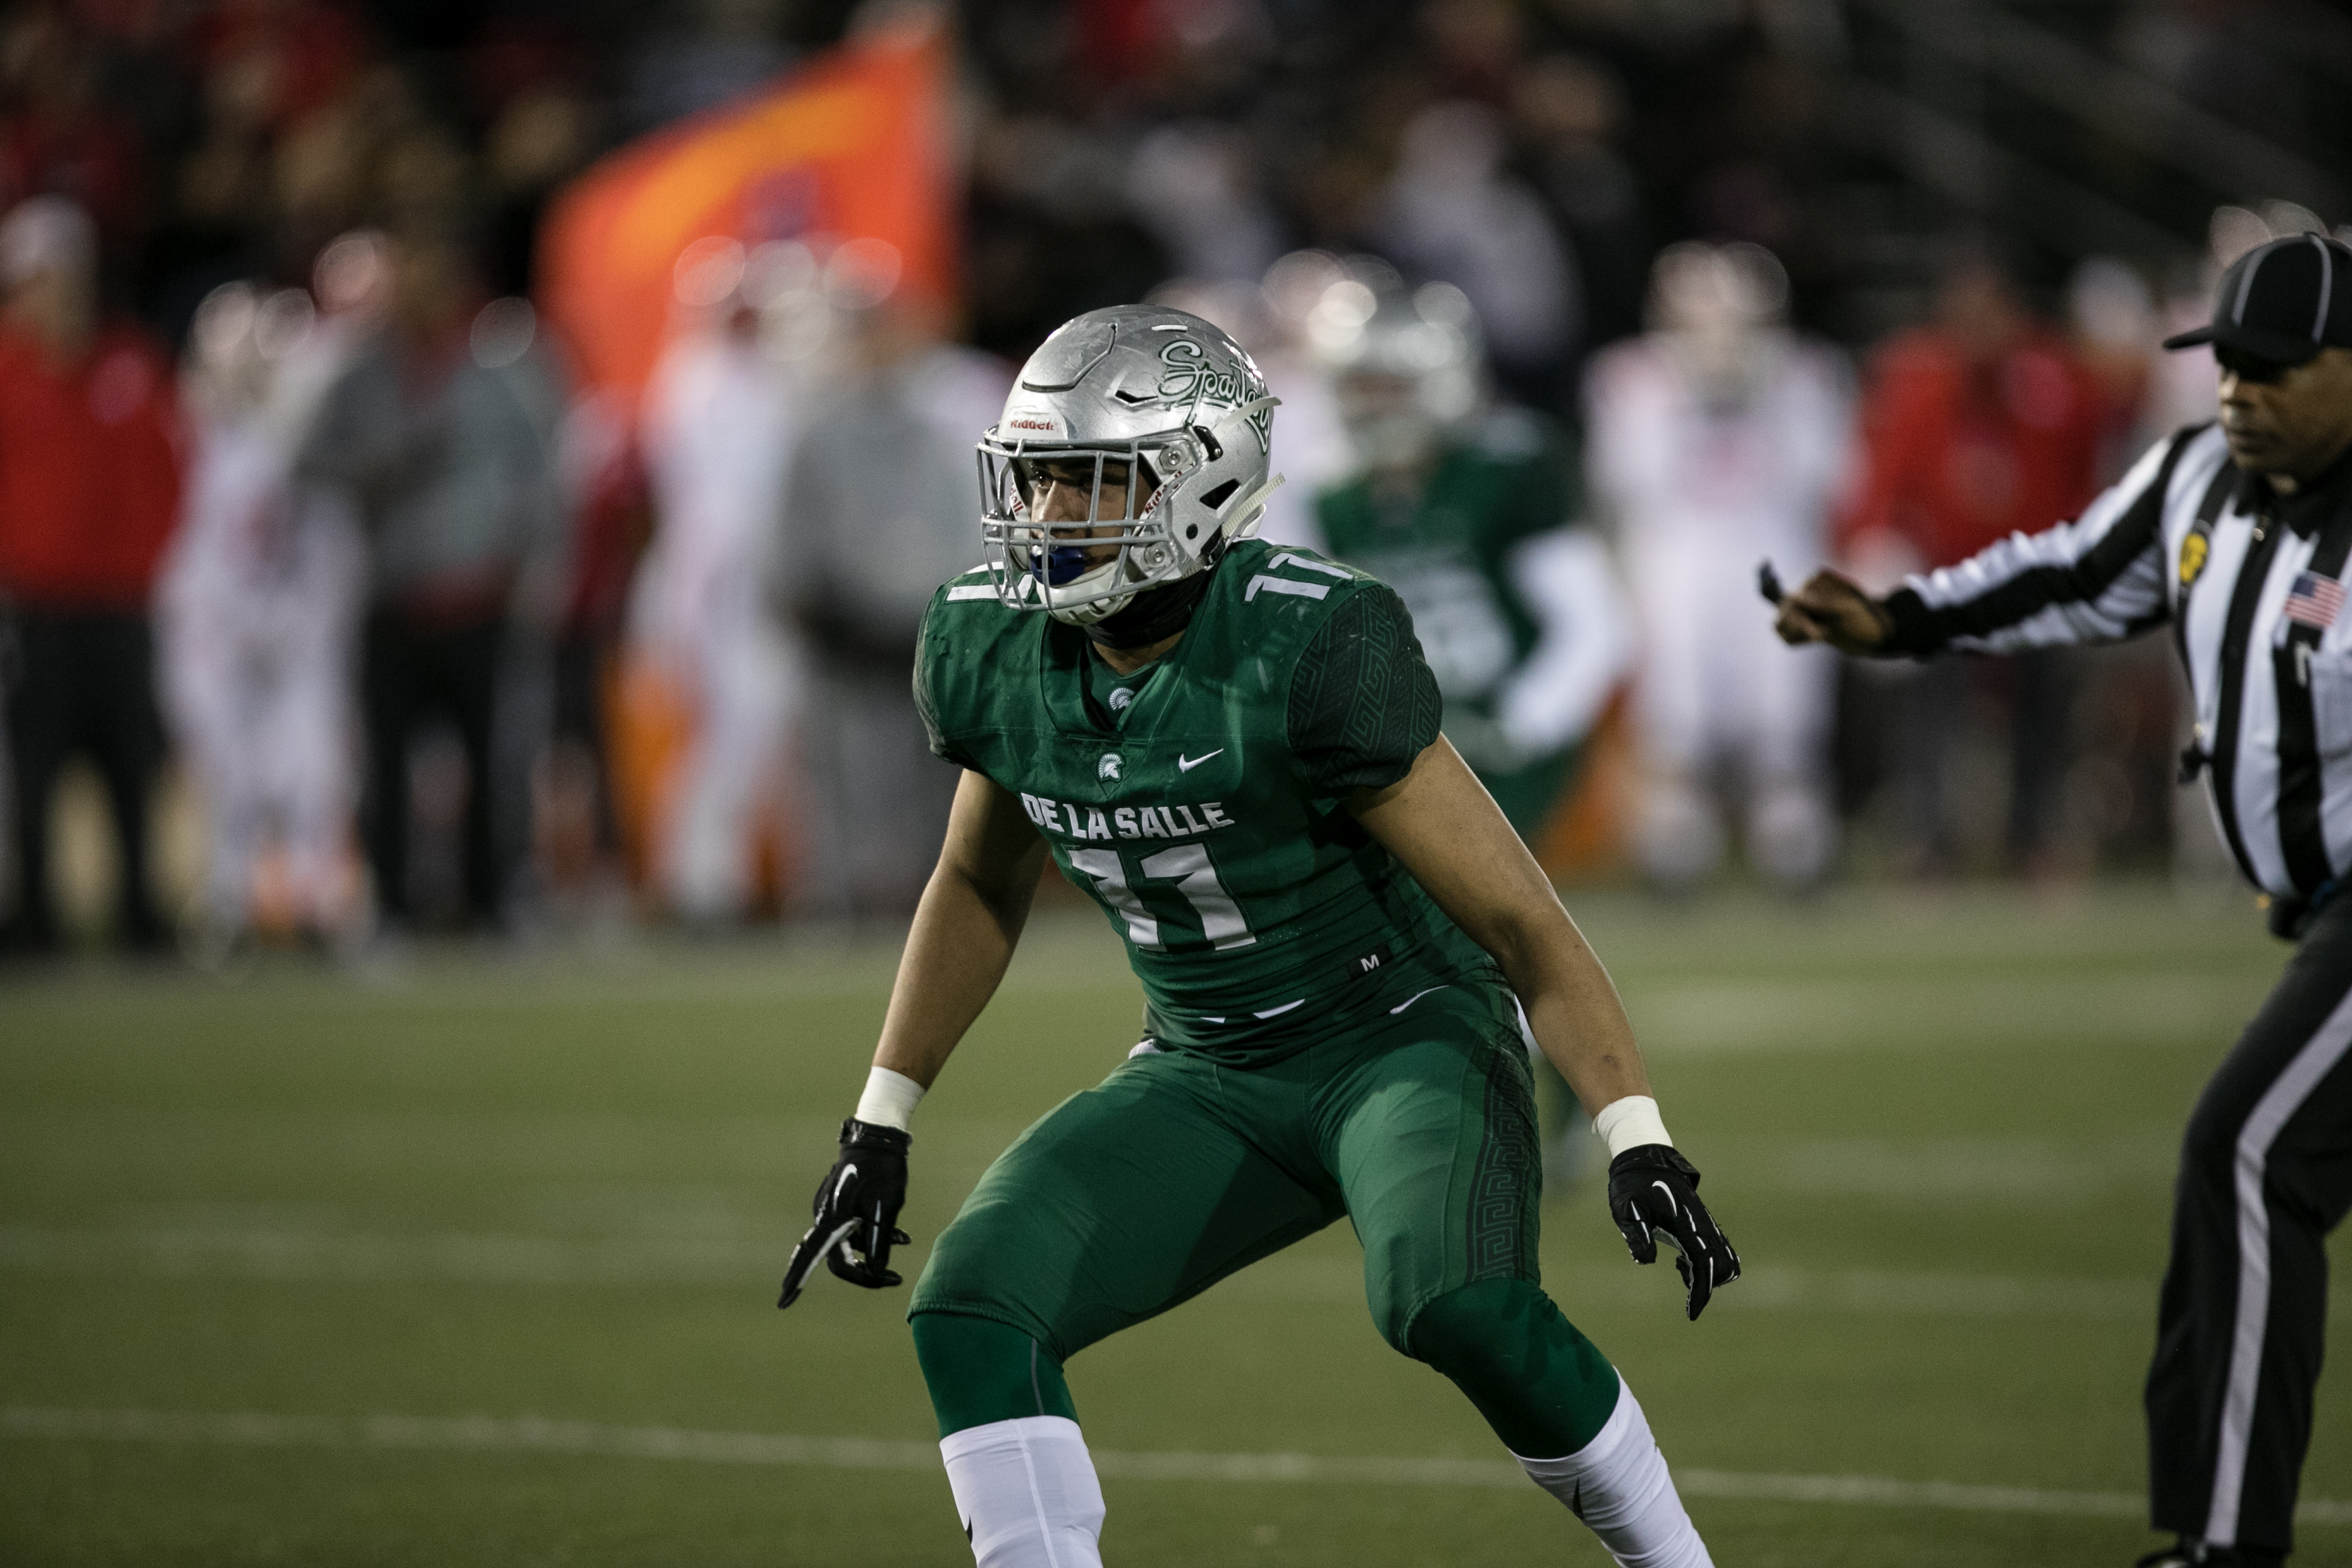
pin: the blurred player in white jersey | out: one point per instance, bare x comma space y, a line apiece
1717, 440
256, 603
720, 416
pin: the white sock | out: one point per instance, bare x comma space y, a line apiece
1027, 1493
1618, 1485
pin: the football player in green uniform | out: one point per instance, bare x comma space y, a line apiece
1234, 748
1468, 512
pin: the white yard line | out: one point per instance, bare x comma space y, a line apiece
532, 1435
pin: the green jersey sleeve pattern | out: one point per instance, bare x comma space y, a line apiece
1364, 703
927, 655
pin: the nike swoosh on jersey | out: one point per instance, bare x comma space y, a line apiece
1185, 765
1411, 999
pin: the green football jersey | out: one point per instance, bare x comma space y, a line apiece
1446, 551
1202, 811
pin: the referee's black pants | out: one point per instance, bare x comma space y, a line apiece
2265, 1173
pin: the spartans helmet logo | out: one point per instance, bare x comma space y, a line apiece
1191, 377
1108, 767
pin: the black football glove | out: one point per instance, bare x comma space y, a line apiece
856, 1212
1654, 1192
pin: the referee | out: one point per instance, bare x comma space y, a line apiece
2234, 536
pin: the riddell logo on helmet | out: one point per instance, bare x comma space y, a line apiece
1031, 422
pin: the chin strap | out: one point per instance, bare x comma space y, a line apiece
1250, 509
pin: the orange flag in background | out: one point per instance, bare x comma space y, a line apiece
852, 146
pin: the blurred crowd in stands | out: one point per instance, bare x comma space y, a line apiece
304, 527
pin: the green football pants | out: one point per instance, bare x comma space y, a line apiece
1175, 1172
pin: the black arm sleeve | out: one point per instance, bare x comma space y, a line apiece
1363, 704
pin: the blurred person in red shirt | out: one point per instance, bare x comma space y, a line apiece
1980, 424
90, 487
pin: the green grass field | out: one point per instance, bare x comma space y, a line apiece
473, 1262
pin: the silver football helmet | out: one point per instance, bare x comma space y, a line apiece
1132, 450
1407, 366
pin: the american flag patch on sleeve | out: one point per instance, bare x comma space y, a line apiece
2314, 601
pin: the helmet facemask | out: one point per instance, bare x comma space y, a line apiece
1078, 529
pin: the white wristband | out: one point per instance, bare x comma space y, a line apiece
1629, 1123
889, 1099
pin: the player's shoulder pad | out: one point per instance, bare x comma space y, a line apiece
1268, 603
968, 628
1287, 582
969, 605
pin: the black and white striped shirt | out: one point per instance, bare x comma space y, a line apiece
2246, 580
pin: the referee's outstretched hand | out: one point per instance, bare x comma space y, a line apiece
1654, 1192
1832, 608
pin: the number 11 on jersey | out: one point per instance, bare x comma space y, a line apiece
1195, 877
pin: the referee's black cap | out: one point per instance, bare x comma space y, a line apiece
2282, 301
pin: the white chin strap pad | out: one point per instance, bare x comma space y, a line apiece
1027, 1492
1618, 1485
1249, 510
